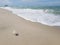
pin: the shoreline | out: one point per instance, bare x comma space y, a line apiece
45, 18
30, 33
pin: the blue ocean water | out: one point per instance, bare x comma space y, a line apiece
47, 15
51, 9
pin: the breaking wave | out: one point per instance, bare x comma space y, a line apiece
44, 16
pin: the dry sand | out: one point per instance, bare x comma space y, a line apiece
29, 33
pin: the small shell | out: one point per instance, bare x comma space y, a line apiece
15, 33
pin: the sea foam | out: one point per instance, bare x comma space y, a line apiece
35, 15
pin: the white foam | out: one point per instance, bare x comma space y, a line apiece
39, 16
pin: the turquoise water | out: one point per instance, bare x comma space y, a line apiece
51, 9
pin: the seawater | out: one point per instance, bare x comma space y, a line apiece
45, 15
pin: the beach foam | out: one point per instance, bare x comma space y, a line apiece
40, 16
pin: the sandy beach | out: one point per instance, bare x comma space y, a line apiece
30, 33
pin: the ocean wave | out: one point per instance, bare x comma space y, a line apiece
41, 16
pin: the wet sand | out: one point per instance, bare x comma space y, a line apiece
29, 33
